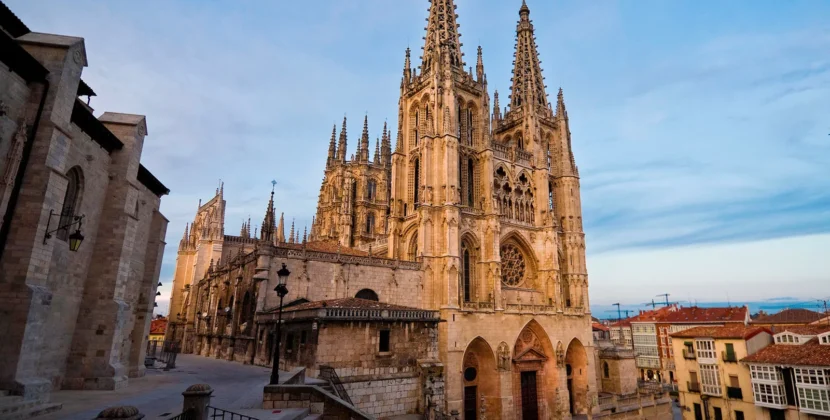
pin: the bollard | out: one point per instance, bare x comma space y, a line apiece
126, 412
196, 400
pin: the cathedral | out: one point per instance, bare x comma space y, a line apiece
468, 233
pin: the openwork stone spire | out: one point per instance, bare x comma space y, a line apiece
528, 83
341, 144
442, 35
269, 222
332, 147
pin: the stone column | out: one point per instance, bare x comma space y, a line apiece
197, 399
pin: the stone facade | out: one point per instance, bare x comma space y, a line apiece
68, 322
484, 226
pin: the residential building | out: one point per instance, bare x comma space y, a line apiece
475, 214
791, 378
81, 236
647, 347
713, 385
691, 317
787, 317
621, 334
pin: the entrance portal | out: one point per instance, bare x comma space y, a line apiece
470, 412
530, 403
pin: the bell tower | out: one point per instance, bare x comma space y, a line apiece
443, 127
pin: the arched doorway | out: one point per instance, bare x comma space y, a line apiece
535, 372
576, 367
367, 294
481, 392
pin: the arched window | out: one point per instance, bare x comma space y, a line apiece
371, 189
471, 186
466, 275
469, 126
354, 213
520, 143
605, 370
245, 315
417, 127
458, 126
417, 182
71, 200
412, 252
367, 294
370, 222
550, 196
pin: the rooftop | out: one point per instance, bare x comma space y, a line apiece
349, 303
790, 316
349, 309
737, 331
694, 315
325, 246
810, 353
804, 329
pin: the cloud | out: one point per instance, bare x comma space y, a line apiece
689, 129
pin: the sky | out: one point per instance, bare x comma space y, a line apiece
700, 128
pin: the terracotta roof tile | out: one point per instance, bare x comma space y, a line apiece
810, 353
653, 315
598, 326
727, 331
803, 329
790, 316
326, 246
694, 315
348, 303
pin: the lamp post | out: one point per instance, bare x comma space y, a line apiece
281, 290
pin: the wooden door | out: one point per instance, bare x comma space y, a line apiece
530, 407
470, 412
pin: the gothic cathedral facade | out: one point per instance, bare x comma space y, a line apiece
488, 203
475, 214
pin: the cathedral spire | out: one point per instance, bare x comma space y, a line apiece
363, 150
305, 234
528, 83
385, 147
242, 232
185, 238
407, 68
480, 77
442, 36
332, 147
496, 109
267, 229
291, 235
281, 229
377, 151
341, 144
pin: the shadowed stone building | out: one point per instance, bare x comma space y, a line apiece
71, 318
475, 214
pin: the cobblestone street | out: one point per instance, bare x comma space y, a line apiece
236, 387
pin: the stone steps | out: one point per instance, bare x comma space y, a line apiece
14, 407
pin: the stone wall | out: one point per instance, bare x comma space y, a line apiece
52, 327
384, 398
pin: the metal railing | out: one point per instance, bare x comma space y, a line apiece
734, 393
327, 373
218, 413
693, 386
729, 357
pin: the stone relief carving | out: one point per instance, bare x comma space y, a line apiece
504, 356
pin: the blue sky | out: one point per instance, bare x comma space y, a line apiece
700, 128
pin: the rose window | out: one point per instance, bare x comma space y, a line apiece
512, 265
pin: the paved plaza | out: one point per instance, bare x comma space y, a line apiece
237, 387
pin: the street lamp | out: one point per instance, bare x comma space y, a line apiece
281, 290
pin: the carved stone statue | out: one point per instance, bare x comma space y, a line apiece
504, 356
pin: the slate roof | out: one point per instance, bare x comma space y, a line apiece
728, 331
790, 316
810, 353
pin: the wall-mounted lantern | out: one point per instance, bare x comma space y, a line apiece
76, 238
